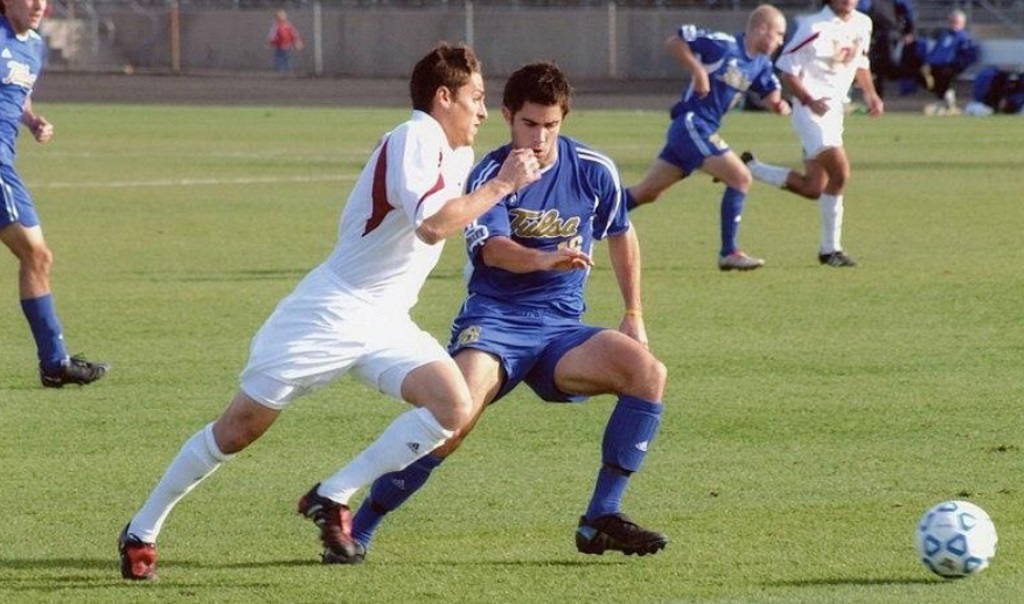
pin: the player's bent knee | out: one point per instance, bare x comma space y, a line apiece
454, 412
452, 444
647, 380
837, 183
242, 423
38, 260
808, 190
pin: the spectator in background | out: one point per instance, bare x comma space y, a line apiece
892, 28
283, 38
996, 90
952, 53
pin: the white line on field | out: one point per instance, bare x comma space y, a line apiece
193, 182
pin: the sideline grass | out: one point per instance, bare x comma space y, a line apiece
812, 413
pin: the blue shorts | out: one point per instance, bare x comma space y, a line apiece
15, 202
689, 142
528, 343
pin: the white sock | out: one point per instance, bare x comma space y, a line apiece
773, 175
831, 207
411, 436
197, 459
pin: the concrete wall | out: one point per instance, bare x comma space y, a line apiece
386, 42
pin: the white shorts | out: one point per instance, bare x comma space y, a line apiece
321, 331
819, 132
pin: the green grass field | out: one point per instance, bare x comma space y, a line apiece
812, 414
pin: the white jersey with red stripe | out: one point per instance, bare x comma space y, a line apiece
409, 176
826, 52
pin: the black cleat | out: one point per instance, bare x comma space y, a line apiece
356, 557
837, 259
138, 558
335, 522
747, 157
73, 370
617, 532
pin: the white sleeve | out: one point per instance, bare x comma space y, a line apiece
416, 179
790, 60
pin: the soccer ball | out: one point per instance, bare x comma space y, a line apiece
956, 539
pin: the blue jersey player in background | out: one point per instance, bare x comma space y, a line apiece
723, 68
21, 50
521, 321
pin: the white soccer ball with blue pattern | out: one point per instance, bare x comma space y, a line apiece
956, 539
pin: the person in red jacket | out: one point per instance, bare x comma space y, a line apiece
283, 38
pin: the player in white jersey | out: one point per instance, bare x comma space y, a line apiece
352, 313
828, 53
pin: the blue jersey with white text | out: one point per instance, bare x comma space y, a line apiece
731, 73
21, 60
577, 200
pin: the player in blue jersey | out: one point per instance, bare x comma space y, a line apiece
521, 321
723, 69
19, 224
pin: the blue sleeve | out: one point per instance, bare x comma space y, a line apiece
492, 223
701, 42
610, 216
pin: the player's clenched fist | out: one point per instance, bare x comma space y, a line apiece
520, 168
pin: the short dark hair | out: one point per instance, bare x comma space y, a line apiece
542, 83
445, 65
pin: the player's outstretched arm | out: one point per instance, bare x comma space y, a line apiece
504, 253
520, 169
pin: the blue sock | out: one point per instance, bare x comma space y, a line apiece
732, 209
46, 329
388, 493
631, 203
629, 433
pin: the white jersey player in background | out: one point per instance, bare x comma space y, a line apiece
352, 312
819, 64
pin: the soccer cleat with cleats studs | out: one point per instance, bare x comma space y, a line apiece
837, 259
73, 370
335, 522
138, 558
617, 532
357, 556
738, 261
